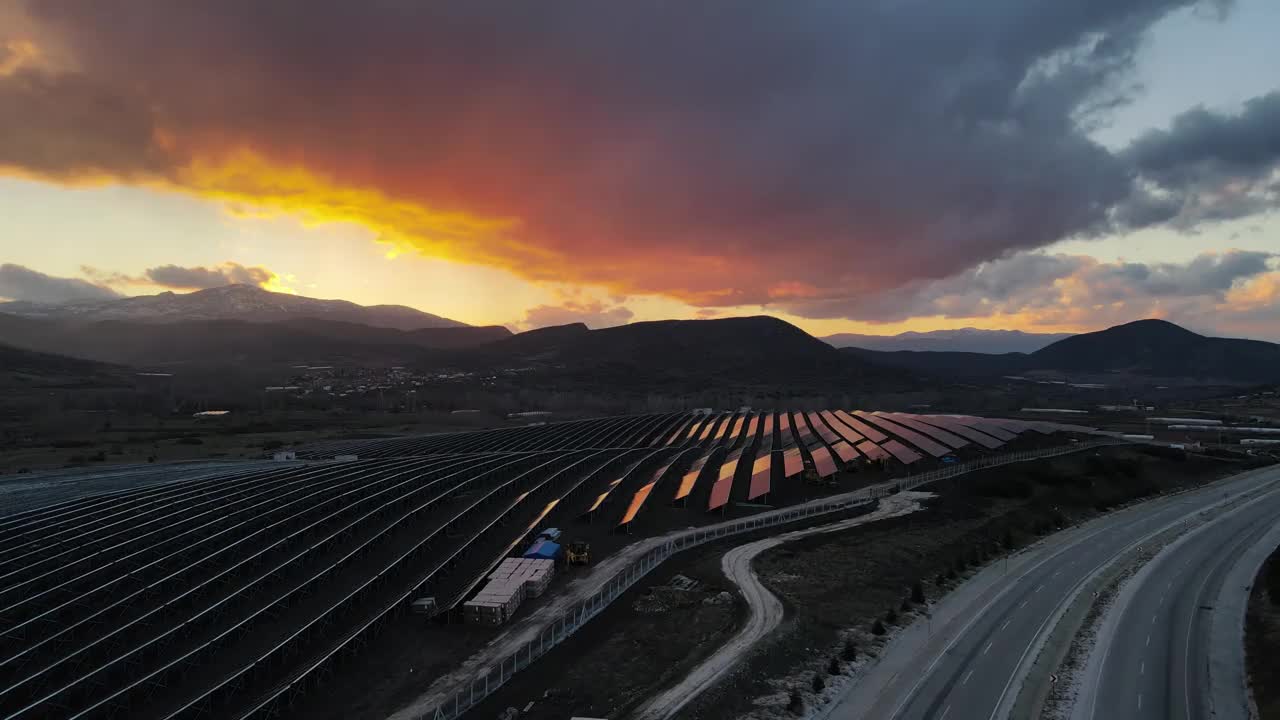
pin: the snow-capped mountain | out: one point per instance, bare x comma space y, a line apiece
233, 302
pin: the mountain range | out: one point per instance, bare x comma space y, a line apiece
251, 327
958, 340
232, 302
1149, 348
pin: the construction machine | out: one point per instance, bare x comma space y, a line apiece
579, 552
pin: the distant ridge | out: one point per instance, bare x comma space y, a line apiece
972, 340
1153, 348
247, 303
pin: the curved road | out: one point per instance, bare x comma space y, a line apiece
984, 637
764, 608
1152, 658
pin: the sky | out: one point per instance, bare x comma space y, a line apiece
873, 167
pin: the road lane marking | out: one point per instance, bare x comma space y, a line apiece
1037, 588
1022, 605
988, 647
1143, 670
1139, 701
966, 678
944, 713
1148, 639
1153, 619
1006, 623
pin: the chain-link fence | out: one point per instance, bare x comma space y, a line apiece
490, 679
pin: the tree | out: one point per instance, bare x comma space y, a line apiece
878, 628
917, 593
796, 705
906, 604
850, 652
891, 617
818, 683
833, 667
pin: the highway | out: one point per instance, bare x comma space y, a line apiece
984, 637
1152, 656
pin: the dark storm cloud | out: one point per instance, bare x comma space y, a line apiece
721, 152
1207, 166
22, 283
202, 278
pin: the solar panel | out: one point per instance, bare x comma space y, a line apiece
907, 434
841, 429
766, 439
960, 429
821, 429
760, 477
993, 429
847, 452
792, 463
867, 431
637, 502
691, 478
938, 434
600, 500
720, 493
824, 462
872, 450
785, 436
902, 453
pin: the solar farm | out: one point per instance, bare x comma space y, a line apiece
228, 595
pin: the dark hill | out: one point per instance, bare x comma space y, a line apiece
1162, 349
221, 342
1152, 348
31, 368
757, 350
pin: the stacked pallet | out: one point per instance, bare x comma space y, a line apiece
496, 602
536, 573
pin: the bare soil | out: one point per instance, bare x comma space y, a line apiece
1262, 639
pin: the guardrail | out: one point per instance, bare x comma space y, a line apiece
488, 680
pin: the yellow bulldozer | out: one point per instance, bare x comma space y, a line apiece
579, 552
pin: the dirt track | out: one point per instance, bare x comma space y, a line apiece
766, 609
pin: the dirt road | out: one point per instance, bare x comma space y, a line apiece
765, 609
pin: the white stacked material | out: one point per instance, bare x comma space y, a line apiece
1184, 421
534, 574
496, 602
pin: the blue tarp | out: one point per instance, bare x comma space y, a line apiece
544, 549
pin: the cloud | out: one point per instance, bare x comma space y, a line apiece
22, 283
718, 153
594, 314
1214, 290
203, 278
1207, 166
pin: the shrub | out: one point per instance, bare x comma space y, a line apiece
877, 628
891, 617
796, 705
818, 683
272, 444
850, 652
190, 441
917, 593
833, 667
906, 604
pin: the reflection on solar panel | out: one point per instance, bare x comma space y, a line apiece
733, 435
680, 430
766, 439
720, 493
792, 463
902, 453
867, 431
637, 502
760, 476
824, 462
697, 427
715, 422
872, 450
938, 434
750, 435
907, 434
960, 429
600, 500
691, 478
844, 431
847, 452
803, 433
785, 436
821, 429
